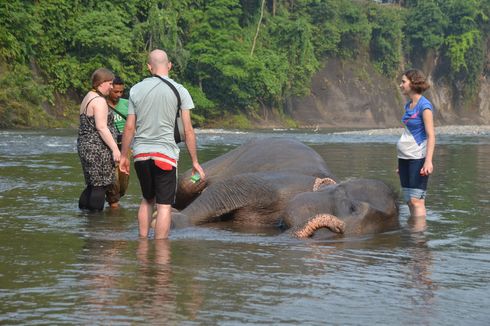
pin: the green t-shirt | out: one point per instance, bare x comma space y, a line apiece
119, 121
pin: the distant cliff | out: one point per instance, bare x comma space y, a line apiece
352, 94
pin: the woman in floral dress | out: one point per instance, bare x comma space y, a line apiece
96, 142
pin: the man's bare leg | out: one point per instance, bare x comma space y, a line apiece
144, 217
162, 225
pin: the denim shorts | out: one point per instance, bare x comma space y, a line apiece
413, 184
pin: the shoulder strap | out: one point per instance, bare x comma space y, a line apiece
172, 87
115, 110
86, 106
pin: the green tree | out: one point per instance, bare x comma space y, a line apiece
217, 52
49, 48
464, 43
341, 27
293, 39
424, 28
17, 39
385, 44
162, 27
325, 22
355, 30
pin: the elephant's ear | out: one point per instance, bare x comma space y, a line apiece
328, 221
372, 219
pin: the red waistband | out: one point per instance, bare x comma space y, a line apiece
155, 156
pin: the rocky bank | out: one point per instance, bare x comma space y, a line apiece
352, 94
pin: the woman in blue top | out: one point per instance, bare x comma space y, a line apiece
416, 144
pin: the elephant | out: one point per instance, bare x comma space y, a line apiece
283, 183
269, 157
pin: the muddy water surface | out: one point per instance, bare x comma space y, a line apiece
61, 266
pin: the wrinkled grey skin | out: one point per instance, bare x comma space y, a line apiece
267, 156
270, 182
365, 206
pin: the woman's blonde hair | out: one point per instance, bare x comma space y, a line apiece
100, 76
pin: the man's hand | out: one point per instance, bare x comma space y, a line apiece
196, 168
124, 165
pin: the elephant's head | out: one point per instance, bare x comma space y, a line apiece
354, 207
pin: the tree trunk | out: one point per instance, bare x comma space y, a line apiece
258, 27
273, 7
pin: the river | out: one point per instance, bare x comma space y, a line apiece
62, 266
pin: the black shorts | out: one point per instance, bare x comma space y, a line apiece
156, 183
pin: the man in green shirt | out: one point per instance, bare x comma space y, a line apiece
119, 107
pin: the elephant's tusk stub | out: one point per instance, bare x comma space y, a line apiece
319, 182
320, 221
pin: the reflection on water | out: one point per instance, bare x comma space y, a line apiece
63, 266
419, 276
417, 223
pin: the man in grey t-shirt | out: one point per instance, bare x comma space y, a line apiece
151, 115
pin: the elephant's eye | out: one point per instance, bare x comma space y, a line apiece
352, 208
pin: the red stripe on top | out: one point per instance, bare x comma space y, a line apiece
155, 156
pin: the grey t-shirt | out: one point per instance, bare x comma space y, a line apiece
155, 106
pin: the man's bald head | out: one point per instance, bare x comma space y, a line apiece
158, 62
157, 57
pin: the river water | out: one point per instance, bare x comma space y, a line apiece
61, 266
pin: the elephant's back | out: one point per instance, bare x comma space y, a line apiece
271, 155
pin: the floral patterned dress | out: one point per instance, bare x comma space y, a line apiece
95, 156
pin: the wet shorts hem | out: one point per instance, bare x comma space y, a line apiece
413, 193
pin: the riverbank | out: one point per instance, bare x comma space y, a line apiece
463, 130
470, 130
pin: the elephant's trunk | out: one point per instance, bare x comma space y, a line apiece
188, 191
320, 221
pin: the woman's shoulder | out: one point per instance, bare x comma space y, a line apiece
98, 103
424, 103
92, 103
92, 98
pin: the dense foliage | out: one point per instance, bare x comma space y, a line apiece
235, 56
